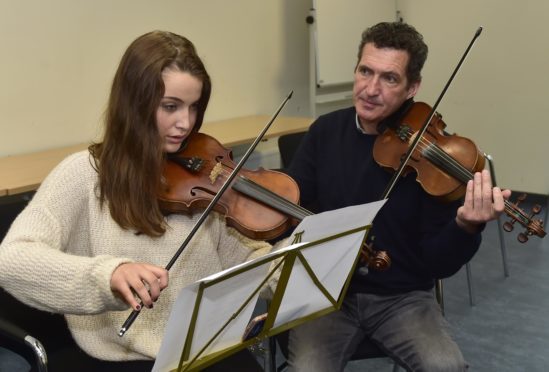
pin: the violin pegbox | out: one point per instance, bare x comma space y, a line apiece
533, 226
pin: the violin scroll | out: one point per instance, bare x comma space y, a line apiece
533, 226
374, 259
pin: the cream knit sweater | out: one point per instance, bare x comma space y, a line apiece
62, 249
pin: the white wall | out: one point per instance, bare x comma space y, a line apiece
500, 97
59, 57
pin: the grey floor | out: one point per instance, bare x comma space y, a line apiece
507, 329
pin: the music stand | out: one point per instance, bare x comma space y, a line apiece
209, 318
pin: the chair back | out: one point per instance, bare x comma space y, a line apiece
287, 146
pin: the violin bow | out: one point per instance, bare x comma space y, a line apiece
425, 125
131, 318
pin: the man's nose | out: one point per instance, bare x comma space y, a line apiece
372, 86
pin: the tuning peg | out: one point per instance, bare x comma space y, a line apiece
522, 237
533, 226
508, 225
380, 261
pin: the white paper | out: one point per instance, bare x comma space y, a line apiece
330, 261
330, 223
219, 303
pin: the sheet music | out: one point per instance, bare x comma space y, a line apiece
330, 223
219, 303
331, 262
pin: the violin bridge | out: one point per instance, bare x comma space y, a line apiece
216, 170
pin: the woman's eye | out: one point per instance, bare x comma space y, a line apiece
169, 106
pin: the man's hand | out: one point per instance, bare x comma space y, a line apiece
141, 279
482, 202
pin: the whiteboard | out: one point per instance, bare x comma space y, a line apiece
337, 29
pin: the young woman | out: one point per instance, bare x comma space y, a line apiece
93, 238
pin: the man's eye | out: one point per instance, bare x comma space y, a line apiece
363, 71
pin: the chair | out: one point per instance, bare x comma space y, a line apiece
19, 331
12, 312
287, 146
500, 228
21, 327
23, 344
472, 297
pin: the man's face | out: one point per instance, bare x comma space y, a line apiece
380, 85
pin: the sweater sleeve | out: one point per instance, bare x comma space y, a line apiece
234, 248
36, 264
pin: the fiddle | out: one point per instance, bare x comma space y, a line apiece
194, 175
444, 163
261, 204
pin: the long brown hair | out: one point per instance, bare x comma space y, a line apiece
130, 158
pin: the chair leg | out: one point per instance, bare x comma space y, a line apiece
470, 284
503, 249
269, 362
500, 227
546, 213
439, 293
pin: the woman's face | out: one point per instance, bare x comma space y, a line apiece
176, 114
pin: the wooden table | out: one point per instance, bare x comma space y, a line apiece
23, 173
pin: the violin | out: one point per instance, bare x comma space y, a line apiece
261, 204
444, 163
193, 176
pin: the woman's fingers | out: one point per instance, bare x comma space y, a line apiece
142, 280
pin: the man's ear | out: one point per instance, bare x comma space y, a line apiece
413, 88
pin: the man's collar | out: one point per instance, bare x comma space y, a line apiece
358, 126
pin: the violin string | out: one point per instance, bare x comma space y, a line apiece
277, 201
429, 149
432, 149
510, 208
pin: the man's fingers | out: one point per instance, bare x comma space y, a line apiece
477, 190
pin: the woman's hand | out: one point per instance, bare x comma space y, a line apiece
139, 279
482, 202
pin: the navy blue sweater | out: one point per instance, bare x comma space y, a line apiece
334, 168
